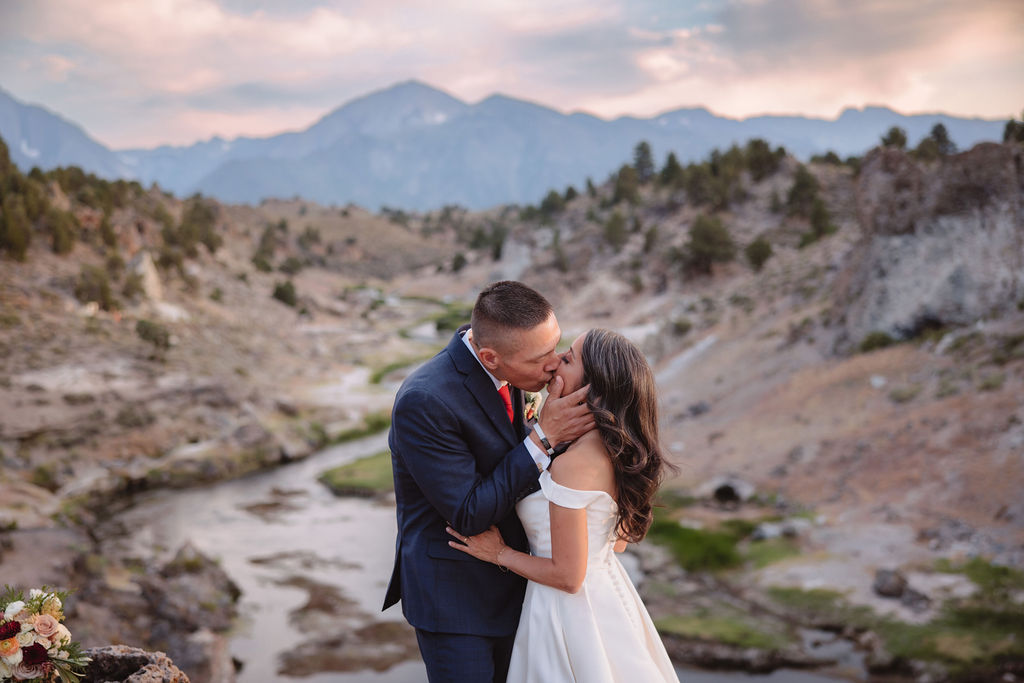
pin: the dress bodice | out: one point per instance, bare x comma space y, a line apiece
601, 509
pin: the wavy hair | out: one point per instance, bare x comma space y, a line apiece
624, 402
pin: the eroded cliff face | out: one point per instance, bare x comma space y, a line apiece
943, 242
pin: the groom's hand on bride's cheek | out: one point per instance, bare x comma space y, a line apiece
566, 418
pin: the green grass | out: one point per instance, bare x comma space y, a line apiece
380, 373
696, 549
365, 477
732, 630
763, 553
966, 636
372, 424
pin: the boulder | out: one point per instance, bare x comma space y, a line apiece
889, 583
123, 664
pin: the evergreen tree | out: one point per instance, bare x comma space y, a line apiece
761, 160
709, 243
941, 137
672, 173
802, 193
643, 162
627, 185
895, 138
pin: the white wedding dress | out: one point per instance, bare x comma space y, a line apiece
603, 633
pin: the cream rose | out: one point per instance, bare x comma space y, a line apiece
13, 609
45, 625
62, 636
5, 671
26, 637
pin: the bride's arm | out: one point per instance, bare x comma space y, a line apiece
567, 566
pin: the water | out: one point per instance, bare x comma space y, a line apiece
278, 526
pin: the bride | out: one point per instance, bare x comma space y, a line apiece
582, 619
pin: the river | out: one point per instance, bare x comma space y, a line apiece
275, 532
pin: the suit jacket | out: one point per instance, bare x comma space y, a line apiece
456, 459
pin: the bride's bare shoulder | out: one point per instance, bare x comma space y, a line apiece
585, 466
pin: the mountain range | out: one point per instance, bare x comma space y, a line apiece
415, 147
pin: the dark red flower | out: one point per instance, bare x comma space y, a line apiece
34, 654
9, 630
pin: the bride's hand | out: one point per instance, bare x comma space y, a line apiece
484, 546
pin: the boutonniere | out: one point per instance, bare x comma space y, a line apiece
533, 401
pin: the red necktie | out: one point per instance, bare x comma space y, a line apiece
507, 398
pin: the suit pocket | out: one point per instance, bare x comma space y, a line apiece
440, 550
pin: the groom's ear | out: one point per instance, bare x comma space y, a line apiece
489, 357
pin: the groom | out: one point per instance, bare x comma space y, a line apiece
463, 456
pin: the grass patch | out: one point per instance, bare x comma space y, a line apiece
1009, 349
365, 477
372, 424
453, 316
965, 636
696, 549
905, 394
769, 551
993, 382
380, 373
874, 341
721, 628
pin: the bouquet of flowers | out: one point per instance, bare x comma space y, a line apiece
34, 644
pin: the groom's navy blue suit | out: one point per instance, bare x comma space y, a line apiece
457, 459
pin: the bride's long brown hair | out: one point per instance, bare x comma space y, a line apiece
624, 401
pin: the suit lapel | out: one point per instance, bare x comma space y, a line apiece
482, 388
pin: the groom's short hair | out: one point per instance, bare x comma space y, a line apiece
506, 307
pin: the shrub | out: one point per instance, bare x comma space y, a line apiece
285, 293
650, 239
107, 234
803, 192
709, 243
758, 252
291, 266
154, 333
552, 203
62, 226
458, 262
15, 229
761, 160
132, 286
615, 230
93, 285
875, 340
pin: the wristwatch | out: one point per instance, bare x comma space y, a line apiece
543, 439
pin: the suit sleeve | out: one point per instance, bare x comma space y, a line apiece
430, 442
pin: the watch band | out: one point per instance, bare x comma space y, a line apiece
543, 439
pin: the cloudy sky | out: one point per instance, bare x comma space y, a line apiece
145, 72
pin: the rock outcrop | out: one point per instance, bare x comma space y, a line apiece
943, 242
123, 664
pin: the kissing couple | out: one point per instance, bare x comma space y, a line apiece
505, 561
